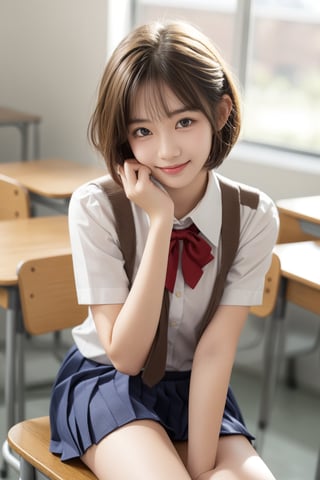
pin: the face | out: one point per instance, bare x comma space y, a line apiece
175, 147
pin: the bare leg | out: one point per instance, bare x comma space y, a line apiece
140, 450
238, 460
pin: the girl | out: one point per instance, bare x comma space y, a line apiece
166, 116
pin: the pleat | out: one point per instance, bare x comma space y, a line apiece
90, 400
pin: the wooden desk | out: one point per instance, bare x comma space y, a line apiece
52, 179
13, 118
20, 240
299, 219
300, 285
300, 267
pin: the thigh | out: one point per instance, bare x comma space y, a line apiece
238, 460
140, 450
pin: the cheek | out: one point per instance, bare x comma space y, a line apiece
202, 143
141, 151
207, 140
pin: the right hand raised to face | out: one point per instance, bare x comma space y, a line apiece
144, 191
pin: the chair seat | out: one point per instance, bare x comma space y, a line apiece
30, 439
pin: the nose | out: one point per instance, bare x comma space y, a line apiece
168, 147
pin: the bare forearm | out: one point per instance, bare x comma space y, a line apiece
137, 322
210, 378
208, 391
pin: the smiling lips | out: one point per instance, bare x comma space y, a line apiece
174, 169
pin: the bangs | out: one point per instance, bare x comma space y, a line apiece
152, 94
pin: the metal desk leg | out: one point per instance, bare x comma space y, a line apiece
23, 127
10, 366
27, 471
317, 477
273, 351
20, 369
36, 140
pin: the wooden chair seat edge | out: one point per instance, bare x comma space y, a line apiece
30, 440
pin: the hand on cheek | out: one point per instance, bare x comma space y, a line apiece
139, 187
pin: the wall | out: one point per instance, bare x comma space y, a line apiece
51, 57
278, 173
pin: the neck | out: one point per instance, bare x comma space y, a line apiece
187, 198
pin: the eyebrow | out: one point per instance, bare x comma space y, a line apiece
170, 114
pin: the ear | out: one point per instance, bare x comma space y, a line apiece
223, 111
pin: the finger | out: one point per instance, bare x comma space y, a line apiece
144, 174
131, 168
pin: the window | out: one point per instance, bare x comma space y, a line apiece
282, 101
215, 18
279, 66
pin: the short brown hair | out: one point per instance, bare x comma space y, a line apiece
176, 55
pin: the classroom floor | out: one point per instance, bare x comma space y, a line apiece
291, 443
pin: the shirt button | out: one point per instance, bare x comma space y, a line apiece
173, 324
178, 294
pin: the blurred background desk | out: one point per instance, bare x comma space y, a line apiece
299, 219
300, 267
300, 271
22, 121
52, 181
20, 240
300, 285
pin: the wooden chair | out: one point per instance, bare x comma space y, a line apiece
14, 203
14, 199
48, 304
265, 311
270, 293
30, 440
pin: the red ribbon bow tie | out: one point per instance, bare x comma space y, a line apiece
196, 253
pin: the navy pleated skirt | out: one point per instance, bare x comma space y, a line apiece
90, 400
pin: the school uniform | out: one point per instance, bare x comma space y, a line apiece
90, 398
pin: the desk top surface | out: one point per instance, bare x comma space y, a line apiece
10, 116
26, 239
303, 208
300, 261
52, 178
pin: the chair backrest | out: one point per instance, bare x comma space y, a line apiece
271, 287
48, 295
14, 199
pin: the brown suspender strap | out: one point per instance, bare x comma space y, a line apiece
155, 365
124, 222
230, 231
232, 196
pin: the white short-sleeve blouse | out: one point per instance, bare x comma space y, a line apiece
101, 279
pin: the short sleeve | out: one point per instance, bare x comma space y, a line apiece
98, 262
258, 235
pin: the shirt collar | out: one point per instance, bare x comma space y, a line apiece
207, 214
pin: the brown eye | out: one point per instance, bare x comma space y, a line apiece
185, 122
141, 132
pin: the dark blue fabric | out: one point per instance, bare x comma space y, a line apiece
90, 400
